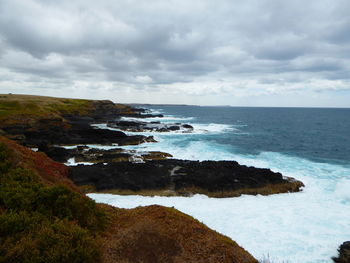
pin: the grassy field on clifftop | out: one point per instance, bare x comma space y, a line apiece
15, 106
38, 105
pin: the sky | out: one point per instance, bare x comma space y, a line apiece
205, 52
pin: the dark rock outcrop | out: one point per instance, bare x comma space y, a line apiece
214, 178
81, 135
144, 115
95, 155
344, 253
73, 130
66, 126
141, 126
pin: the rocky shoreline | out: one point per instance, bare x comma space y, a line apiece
120, 170
77, 124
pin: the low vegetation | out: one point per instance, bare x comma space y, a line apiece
42, 223
12, 105
27, 108
156, 234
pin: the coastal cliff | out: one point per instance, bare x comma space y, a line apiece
45, 122
35, 121
45, 218
51, 195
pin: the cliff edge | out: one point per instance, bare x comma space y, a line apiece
44, 218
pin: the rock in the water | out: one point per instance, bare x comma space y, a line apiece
214, 178
344, 253
84, 154
141, 126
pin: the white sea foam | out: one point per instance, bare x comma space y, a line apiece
198, 129
299, 227
342, 190
168, 118
212, 128
96, 146
155, 111
72, 162
104, 126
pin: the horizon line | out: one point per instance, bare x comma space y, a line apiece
235, 106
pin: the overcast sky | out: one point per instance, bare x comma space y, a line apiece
240, 53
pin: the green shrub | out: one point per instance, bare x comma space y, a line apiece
4, 163
61, 202
41, 223
54, 242
13, 223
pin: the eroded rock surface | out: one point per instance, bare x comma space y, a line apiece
182, 177
95, 155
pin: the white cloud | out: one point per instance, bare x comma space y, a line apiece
143, 79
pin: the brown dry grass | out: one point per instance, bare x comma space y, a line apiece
157, 234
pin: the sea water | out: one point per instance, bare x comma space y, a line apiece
309, 144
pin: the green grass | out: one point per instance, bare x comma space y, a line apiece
41, 223
42, 106
68, 106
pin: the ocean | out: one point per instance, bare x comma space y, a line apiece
309, 144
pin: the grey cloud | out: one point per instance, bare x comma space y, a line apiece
176, 41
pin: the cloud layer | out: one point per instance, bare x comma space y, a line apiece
255, 52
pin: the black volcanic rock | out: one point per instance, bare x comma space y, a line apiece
80, 132
136, 115
58, 154
187, 126
141, 126
179, 175
73, 127
174, 128
344, 253
96, 155
123, 175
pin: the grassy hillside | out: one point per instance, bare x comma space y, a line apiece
27, 107
11, 105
